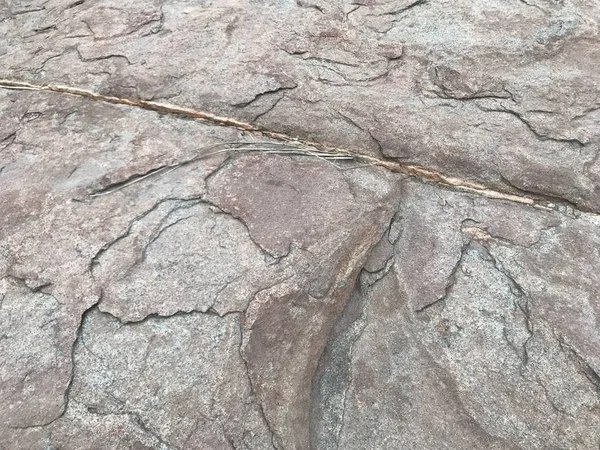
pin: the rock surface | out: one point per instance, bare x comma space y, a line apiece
384, 233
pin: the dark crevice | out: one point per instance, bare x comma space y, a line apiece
275, 440
33, 286
263, 94
67, 392
156, 316
532, 5
265, 252
162, 227
591, 110
78, 339
95, 260
333, 377
140, 27
302, 4
537, 134
563, 204
448, 94
155, 30
554, 406
352, 122
101, 58
44, 29
75, 3
522, 304
325, 60
269, 109
109, 189
451, 280
27, 11
406, 8
587, 370
8, 140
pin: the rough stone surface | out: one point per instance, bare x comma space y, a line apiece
500, 91
474, 345
171, 283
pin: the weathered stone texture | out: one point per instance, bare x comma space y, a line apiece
504, 92
474, 345
171, 283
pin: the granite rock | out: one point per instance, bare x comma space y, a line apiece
299, 224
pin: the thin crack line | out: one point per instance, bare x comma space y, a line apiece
419, 172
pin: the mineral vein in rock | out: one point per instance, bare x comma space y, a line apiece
422, 173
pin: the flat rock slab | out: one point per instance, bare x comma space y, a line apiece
299, 225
